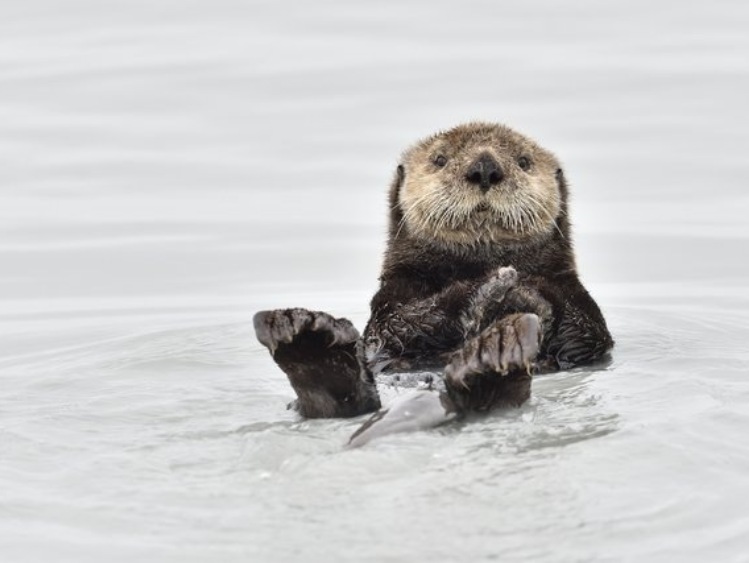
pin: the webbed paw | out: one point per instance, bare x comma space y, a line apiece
494, 368
319, 355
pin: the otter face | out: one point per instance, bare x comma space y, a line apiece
479, 183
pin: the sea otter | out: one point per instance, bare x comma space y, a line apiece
478, 281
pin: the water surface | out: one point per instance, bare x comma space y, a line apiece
170, 168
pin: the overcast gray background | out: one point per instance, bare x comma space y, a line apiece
169, 167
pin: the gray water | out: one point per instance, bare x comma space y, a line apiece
168, 168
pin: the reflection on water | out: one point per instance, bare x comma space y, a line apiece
168, 169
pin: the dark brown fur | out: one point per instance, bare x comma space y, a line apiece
424, 314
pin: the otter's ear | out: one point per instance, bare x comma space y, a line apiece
561, 184
400, 174
395, 187
560, 176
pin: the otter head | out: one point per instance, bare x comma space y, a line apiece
477, 183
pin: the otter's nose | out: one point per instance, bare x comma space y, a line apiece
484, 172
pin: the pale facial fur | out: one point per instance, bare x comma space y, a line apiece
439, 203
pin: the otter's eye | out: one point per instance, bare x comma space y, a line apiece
524, 162
440, 160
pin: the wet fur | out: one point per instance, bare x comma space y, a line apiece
436, 267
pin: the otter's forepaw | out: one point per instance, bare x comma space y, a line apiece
506, 275
488, 296
284, 326
494, 368
498, 283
